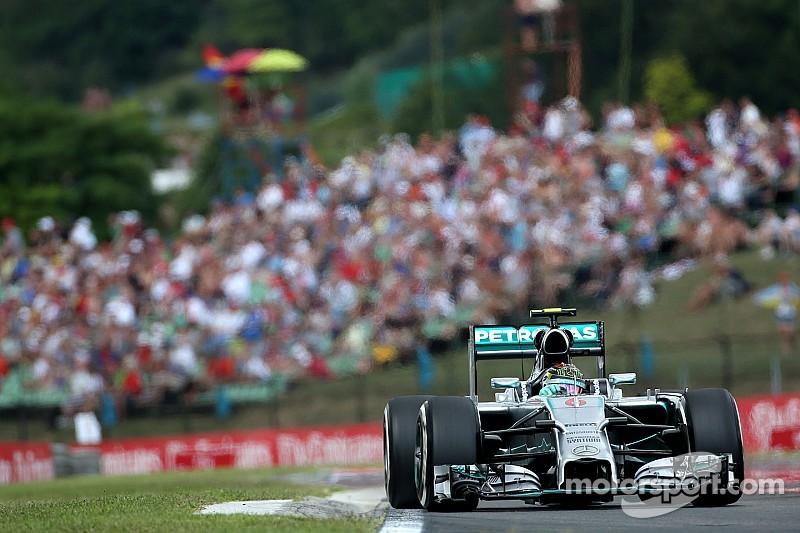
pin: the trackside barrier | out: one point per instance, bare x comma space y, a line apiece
24, 461
769, 423
339, 445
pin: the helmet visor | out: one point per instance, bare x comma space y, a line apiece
571, 389
569, 386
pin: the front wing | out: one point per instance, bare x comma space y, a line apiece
686, 473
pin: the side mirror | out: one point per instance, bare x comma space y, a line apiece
628, 378
505, 383
510, 388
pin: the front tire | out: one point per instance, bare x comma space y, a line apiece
714, 428
448, 433
399, 429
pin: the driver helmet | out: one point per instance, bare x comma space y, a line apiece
567, 378
551, 360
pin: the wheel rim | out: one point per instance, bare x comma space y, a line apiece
421, 458
387, 465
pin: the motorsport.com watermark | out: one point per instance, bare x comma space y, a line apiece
630, 487
670, 495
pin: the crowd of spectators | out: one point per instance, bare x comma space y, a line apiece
326, 272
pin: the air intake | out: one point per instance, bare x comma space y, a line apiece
556, 341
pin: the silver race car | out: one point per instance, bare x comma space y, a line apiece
559, 437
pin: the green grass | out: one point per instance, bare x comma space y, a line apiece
158, 502
344, 131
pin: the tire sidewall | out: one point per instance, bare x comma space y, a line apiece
715, 427
448, 433
399, 429
423, 460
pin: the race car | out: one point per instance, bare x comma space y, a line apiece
559, 437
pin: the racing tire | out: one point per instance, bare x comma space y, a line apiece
399, 428
714, 427
448, 433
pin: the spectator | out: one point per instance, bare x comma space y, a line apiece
726, 282
82, 236
534, 84
769, 234
790, 232
635, 286
530, 15
783, 297
321, 272
129, 386
85, 387
14, 242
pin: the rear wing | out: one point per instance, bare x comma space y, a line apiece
488, 342
510, 342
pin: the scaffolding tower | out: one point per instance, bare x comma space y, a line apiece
557, 51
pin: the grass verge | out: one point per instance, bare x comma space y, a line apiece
159, 502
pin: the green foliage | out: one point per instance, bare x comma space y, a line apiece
344, 130
59, 161
670, 84
185, 100
359, 85
735, 47
58, 48
740, 47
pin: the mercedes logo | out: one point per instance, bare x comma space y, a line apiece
585, 449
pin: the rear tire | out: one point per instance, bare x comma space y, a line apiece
399, 429
448, 433
714, 428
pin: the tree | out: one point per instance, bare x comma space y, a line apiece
671, 86
57, 160
57, 48
740, 47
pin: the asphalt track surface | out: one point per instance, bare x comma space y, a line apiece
769, 513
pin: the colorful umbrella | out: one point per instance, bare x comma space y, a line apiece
277, 60
212, 57
209, 75
240, 61
214, 60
